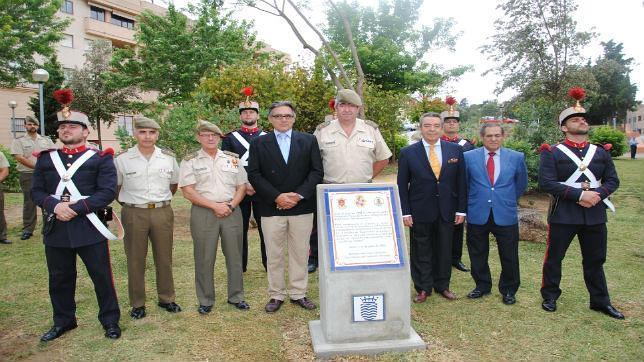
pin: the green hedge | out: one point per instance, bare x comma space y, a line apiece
12, 182
607, 134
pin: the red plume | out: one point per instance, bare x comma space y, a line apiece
332, 103
248, 91
577, 93
450, 100
64, 96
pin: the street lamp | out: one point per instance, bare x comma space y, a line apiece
41, 76
13, 105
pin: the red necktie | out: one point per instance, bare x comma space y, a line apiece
490, 167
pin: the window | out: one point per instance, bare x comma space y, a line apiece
127, 123
96, 13
122, 22
67, 41
19, 125
67, 7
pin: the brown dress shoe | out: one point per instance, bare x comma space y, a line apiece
304, 303
421, 297
448, 294
273, 305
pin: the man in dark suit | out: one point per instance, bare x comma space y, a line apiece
497, 177
284, 168
72, 185
580, 176
432, 187
238, 142
451, 120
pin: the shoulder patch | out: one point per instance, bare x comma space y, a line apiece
322, 125
233, 154
190, 156
606, 146
371, 123
168, 152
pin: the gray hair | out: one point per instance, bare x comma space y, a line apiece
281, 104
485, 126
429, 114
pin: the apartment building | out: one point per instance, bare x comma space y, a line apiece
113, 20
635, 119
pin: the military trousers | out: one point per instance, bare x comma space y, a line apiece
3, 221
155, 225
206, 230
29, 209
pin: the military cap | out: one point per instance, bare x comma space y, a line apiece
205, 126
67, 116
577, 110
451, 112
348, 96
144, 122
32, 120
248, 105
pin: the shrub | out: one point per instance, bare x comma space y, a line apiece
606, 134
531, 159
12, 182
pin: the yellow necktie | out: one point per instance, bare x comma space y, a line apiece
434, 162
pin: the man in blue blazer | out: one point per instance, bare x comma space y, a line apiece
431, 183
496, 178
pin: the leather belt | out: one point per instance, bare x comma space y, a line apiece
149, 205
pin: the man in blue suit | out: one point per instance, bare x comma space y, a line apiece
431, 183
496, 178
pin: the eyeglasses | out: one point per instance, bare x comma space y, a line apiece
282, 116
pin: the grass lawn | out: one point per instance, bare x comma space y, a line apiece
464, 329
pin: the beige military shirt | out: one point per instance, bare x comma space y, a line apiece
216, 178
3, 161
143, 181
25, 146
350, 159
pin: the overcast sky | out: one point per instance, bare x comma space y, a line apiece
620, 20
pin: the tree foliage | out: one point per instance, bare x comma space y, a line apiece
27, 29
94, 95
537, 46
391, 47
173, 53
608, 135
51, 107
616, 93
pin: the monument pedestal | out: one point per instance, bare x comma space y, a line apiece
365, 301
324, 349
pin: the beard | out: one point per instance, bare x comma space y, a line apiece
71, 140
578, 131
248, 122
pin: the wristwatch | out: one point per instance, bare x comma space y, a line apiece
230, 207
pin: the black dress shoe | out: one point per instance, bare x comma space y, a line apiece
171, 307
312, 266
476, 294
138, 312
609, 310
5, 241
549, 305
56, 331
509, 299
25, 235
273, 305
460, 266
241, 305
204, 309
113, 331
304, 303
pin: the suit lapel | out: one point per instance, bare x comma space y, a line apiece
273, 149
293, 148
424, 157
482, 163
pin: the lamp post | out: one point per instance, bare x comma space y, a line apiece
13, 105
41, 76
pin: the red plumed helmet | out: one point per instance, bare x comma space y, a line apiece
450, 100
248, 91
64, 96
577, 93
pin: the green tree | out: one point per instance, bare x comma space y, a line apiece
616, 94
537, 47
391, 47
94, 94
27, 29
173, 54
51, 107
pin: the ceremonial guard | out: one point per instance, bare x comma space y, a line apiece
451, 125
215, 183
353, 150
238, 142
23, 149
147, 179
580, 176
74, 185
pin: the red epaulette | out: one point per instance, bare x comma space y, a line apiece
608, 146
107, 151
545, 147
38, 153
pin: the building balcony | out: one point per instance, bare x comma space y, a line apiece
118, 35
